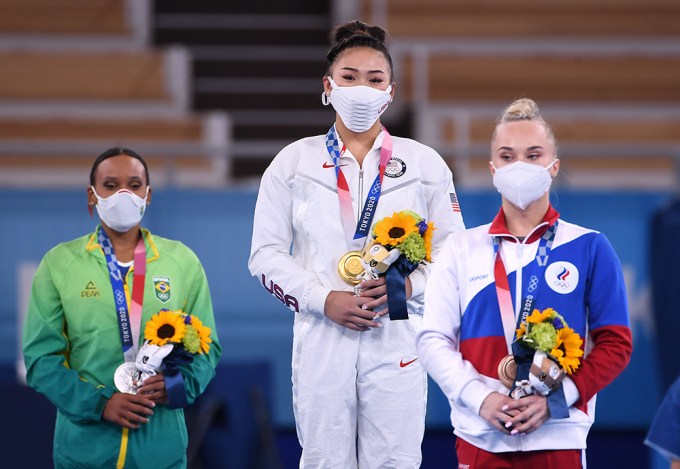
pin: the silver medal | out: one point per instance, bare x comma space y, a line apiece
127, 378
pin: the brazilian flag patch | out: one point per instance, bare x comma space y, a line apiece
161, 286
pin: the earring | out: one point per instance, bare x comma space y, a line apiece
325, 99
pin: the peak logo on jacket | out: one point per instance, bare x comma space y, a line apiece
90, 291
277, 291
562, 277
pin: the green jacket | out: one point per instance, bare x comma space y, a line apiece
72, 347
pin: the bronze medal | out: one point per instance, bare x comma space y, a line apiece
507, 370
350, 267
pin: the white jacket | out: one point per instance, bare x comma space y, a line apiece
298, 236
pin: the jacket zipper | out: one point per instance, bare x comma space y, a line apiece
518, 278
361, 194
518, 301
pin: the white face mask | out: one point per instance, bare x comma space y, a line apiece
358, 106
522, 183
122, 210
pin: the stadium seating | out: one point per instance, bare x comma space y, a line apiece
91, 17
527, 18
76, 80
604, 73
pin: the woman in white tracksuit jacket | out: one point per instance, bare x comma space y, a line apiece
359, 393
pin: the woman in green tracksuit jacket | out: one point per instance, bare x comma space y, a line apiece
74, 339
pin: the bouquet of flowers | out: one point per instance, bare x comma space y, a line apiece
399, 244
180, 329
408, 232
557, 351
171, 338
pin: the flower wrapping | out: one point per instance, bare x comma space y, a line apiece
546, 350
548, 332
399, 244
172, 339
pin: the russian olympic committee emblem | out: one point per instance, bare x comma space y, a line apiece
562, 277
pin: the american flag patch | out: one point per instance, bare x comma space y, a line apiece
454, 202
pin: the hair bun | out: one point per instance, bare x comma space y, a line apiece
352, 29
521, 109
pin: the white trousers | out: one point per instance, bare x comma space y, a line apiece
359, 397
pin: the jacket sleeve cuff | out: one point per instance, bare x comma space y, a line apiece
473, 395
104, 396
571, 394
317, 300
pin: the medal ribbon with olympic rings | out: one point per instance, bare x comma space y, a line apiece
129, 323
356, 240
537, 271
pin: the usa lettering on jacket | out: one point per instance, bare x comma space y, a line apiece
288, 300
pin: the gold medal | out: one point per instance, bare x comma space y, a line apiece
507, 370
350, 267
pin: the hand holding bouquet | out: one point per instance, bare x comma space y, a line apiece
171, 339
399, 244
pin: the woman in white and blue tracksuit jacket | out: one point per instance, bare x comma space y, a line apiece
359, 393
463, 339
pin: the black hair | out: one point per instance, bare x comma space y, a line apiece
111, 152
358, 34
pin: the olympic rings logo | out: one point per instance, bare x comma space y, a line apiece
561, 284
533, 283
120, 297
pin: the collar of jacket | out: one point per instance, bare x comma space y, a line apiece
499, 226
95, 249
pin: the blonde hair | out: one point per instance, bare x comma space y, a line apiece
524, 109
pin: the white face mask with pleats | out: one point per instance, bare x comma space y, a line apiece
121, 211
522, 183
359, 106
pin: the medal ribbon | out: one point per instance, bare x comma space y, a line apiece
129, 322
356, 240
537, 272
524, 356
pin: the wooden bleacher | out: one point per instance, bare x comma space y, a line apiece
491, 78
83, 76
90, 17
460, 63
633, 78
529, 18
79, 82
52, 138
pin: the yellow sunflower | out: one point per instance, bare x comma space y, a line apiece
521, 331
166, 326
427, 236
203, 334
537, 317
568, 349
390, 231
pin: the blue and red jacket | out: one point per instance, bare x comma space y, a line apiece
462, 341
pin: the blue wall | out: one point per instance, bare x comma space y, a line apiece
217, 225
